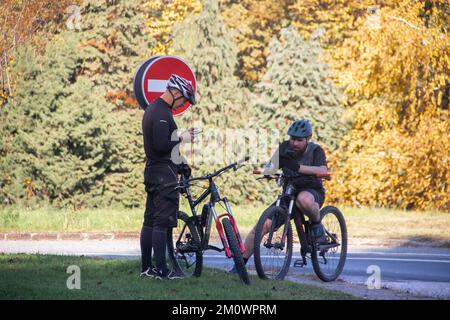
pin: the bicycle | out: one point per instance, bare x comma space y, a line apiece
273, 251
187, 242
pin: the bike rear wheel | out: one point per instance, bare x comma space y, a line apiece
235, 251
272, 260
328, 260
184, 247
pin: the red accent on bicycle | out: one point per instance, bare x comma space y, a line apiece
187, 243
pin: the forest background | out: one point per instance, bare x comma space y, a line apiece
372, 76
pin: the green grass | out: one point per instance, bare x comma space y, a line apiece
50, 219
45, 277
431, 227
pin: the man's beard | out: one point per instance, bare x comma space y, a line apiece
299, 151
296, 151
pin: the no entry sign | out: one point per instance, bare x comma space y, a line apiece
151, 79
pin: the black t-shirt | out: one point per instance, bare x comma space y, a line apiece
319, 155
303, 181
159, 130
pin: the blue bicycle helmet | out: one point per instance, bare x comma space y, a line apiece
300, 129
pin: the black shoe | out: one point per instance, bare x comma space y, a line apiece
319, 234
174, 275
168, 275
149, 273
322, 240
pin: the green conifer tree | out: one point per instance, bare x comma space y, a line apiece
114, 44
209, 48
58, 142
297, 86
223, 102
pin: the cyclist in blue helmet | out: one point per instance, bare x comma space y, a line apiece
299, 157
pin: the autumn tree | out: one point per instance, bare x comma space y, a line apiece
19, 22
161, 17
333, 21
255, 23
396, 79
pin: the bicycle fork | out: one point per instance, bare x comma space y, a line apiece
218, 221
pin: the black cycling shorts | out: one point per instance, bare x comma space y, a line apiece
319, 196
162, 202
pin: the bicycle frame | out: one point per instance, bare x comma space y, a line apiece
289, 193
301, 224
212, 213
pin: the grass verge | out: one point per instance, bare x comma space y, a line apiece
45, 277
426, 228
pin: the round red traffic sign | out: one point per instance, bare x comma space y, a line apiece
152, 76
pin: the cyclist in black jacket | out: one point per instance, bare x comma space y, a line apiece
160, 142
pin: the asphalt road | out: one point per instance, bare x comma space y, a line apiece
430, 266
395, 264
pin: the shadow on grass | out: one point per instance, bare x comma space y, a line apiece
425, 241
44, 277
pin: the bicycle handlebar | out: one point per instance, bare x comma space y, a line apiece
182, 184
326, 176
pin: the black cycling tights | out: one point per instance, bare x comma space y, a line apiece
154, 238
159, 248
146, 247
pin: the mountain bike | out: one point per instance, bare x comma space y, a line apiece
274, 237
187, 242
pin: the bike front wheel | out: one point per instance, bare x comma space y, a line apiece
235, 251
184, 247
328, 259
272, 254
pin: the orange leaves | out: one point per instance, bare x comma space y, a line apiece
108, 44
403, 62
394, 167
121, 99
19, 22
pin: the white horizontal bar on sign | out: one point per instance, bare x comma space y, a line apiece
157, 85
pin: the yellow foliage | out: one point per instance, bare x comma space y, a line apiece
397, 86
163, 15
338, 19
256, 23
402, 62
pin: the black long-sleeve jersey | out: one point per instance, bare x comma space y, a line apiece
159, 130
